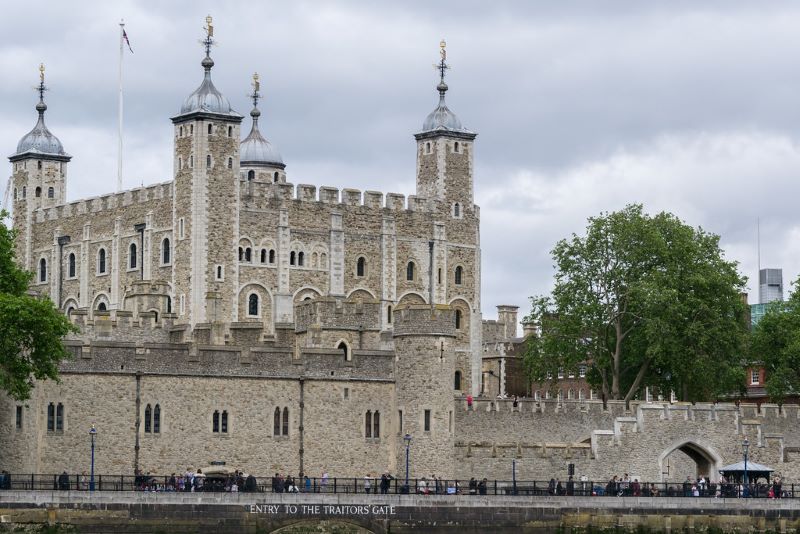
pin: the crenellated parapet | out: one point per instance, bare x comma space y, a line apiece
424, 320
122, 325
111, 202
337, 314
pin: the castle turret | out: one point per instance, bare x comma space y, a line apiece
205, 209
424, 340
260, 159
38, 180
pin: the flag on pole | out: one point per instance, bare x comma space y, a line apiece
127, 42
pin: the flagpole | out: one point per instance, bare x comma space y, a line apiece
119, 147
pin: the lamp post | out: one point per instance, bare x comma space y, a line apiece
407, 439
92, 434
745, 448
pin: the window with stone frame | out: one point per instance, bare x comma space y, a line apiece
368, 424
71, 265
252, 305
148, 419
132, 256
755, 377
410, 267
285, 427
101, 261
458, 275
427, 421
166, 252
157, 419
361, 266
42, 270
276, 422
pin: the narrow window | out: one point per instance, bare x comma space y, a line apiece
427, 421
230, 163
208, 161
300, 256
209, 129
215, 422
427, 148
345, 350
582, 371
191, 129
219, 272
15, 193
458, 319
291, 257
180, 228
248, 255
346, 393
43, 270
272, 256
148, 416
376, 424
755, 377
263, 255
450, 421
157, 419
368, 424
251, 175
51, 417
224, 425
361, 266
24, 191
252, 305
51, 193
191, 161
39, 166
276, 422
389, 314
132, 256
400, 421
182, 304
165, 252
455, 146
181, 131
38, 191
19, 418
459, 274
169, 304
275, 177
286, 421
457, 384
71, 265
410, 271
241, 254
439, 275
456, 210
230, 131
101, 261
59, 417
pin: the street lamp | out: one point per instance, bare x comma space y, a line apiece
92, 434
407, 439
745, 448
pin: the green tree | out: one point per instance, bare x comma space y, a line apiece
31, 328
776, 345
643, 302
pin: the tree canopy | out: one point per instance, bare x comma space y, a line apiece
643, 302
775, 344
31, 328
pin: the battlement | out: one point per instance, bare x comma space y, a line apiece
424, 320
102, 203
337, 314
122, 325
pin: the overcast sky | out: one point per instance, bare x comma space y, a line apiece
581, 107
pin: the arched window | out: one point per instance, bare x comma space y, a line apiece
102, 306
230, 163
271, 256
181, 131
275, 177
148, 419
224, 422
410, 271
263, 255
286, 421
376, 424
101, 261
457, 381
39, 166
456, 210
219, 272
209, 129
208, 161
300, 257
389, 314
70, 310
291, 258
345, 350
157, 419
191, 129
458, 319
169, 304
455, 146
368, 424
71, 265
252, 305
361, 266
276, 422
230, 131
427, 148
59, 417
43, 270
38, 191
251, 175
248, 255
51, 193
241, 254
459, 273
215, 421
132, 256
191, 161
323, 260
165, 252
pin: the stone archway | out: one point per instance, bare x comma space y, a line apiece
689, 457
321, 526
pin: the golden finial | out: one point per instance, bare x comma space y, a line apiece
209, 27
443, 51
256, 83
41, 72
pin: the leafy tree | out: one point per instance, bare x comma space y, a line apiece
31, 328
776, 345
642, 301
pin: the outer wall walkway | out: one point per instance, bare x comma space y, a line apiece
129, 512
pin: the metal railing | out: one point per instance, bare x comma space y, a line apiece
376, 486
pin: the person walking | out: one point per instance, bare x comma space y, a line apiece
367, 483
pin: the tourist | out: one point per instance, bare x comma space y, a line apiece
625, 485
276, 488
63, 481
324, 482
367, 483
559, 488
636, 488
776, 487
687, 487
83, 481
551, 487
469, 402
515, 404
199, 480
385, 484
422, 486
570, 487
473, 486
482, 487
5, 480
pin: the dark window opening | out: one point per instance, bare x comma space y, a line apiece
215, 421
251, 175
291, 258
286, 421
43, 270
51, 417
300, 256
263, 255
102, 306
38, 191
275, 177
376, 424
166, 252
459, 274
132, 256
19, 418
458, 319
410, 271
252, 305
248, 255
208, 161
345, 350
272, 256
148, 416
59, 417
276, 422
71, 266
230, 163
427, 421
361, 267
457, 384
224, 424
101, 261
157, 419
368, 424
51, 193
389, 314
209, 129
241, 254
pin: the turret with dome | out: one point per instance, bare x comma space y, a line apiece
260, 159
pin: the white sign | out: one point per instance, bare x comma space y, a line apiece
322, 509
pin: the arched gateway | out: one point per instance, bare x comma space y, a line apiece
677, 458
